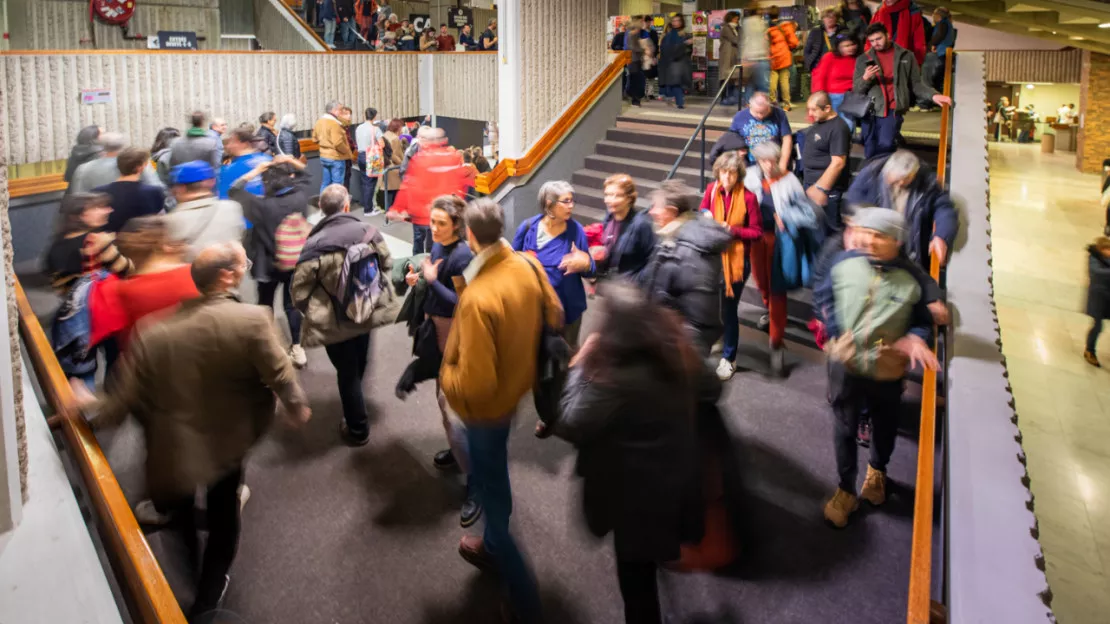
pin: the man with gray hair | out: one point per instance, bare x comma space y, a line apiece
105, 170
345, 263
760, 122
900, 182
335, 151
202, 383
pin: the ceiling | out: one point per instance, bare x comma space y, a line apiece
1067, 22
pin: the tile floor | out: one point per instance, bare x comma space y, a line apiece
1043, 215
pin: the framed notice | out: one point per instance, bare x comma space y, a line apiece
459, 17
175, 40
96, 96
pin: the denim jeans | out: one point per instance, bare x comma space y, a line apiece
674, 92
331, 172
421, 239
367, 185
759, 79
837, 99
852, 397
329, 32
880, 134
350, 358
347, 31
266, 292
731, 316
1092, 336
489, 480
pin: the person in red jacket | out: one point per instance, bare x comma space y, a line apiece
436, 169
904, 22
834, 74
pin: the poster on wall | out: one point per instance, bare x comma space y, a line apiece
613, 26
700, 26
699, 46
658, 22
459, 17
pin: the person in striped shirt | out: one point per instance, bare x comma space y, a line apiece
80, 246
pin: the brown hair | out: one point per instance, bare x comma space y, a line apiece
729, 161
676, 193
132, 160
395, 126
485, 220
627, 186
143, 237
454, 207
73, 208
833, 11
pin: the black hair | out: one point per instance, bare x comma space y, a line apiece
877, 28
371, 113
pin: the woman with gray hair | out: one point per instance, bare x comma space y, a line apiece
559, 243
287, 142
785, 211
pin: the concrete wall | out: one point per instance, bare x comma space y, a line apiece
461, 85
558, 65
519, 197
276, 29
152, 91
237, 17
64, 24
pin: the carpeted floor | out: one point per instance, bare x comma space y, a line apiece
339, 535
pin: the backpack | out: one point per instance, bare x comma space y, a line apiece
361, 282
289, 240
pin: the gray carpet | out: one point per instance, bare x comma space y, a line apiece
339, 535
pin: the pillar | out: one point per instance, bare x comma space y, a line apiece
1094, 113
510, 60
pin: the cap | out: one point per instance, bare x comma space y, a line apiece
882, 220
190, 172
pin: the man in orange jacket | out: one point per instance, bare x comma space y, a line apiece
783, 37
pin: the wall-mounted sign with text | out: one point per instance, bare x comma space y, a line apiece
96, 96
172, 40
420, 22
459, 17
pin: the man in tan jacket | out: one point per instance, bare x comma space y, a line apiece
202, 385
335, 151
490, 364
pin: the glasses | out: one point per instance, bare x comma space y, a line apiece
566, 201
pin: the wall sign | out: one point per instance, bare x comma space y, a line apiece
96, 96
112, 11
459, 17
420, 22
173, 40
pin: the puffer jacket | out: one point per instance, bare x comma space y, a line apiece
928, 206
316, 280
784, 40
685, 274
288, 143
1098, 292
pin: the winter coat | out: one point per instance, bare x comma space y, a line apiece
331, 136
792, 205
675, 69
685, 274
730, 50
856, 20
817, 46
835, 74
784, 40
103, 171
271, 140
637, 457
315, 287
634, 249
928, 206
393, 178
1098, 293
85, 150
326, 10
201, 420
266, 214
944, 37
909, 84
729, 141
910, 30
206, 221
288, 143
197, 144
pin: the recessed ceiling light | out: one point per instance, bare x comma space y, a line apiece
1029, 86
1104, 25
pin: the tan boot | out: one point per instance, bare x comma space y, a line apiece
839, 507
874, 487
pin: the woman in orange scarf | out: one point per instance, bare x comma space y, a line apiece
738, 209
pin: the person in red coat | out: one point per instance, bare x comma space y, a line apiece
437, 169
906, 25
834, 73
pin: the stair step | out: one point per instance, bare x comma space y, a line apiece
640, 169
589, 179
594, 200
669, 141
650, 153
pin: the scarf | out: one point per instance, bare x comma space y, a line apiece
736, 213
900, 33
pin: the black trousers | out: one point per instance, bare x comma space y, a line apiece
350, 358
640, 591
223, 537
852, 396
266, 292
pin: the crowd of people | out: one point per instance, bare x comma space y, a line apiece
369, 25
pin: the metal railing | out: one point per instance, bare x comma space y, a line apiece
700, 129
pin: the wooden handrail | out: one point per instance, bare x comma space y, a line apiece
148, 595
921, 550
489, 182
312, 31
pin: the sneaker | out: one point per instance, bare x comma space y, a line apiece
874, 487
473, 551
147, 515
299, 357
349, 439
1092, 359
863, 435
764, 323
778, 361
787, 107
840, 506
244, 496
471, 510
445, 460
725, 370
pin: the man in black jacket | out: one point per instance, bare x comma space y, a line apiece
345, 11
267, 130
821, 39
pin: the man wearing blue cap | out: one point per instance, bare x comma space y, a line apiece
200, 219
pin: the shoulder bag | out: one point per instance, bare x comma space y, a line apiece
552, 362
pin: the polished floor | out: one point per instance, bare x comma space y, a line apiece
1043, 215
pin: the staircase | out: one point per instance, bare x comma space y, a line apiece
646, 142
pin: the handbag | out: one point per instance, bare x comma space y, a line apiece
855, 105
552, 362
375, 158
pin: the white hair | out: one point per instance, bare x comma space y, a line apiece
112, 141
288, 121
902, 165
551, 191
767, 150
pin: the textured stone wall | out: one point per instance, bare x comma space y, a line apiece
276, 30
563, 50
153, 91
64, 24
465, 86
1094, 106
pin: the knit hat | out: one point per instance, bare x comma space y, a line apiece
191, 172
882, 220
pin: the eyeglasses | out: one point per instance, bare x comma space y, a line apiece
568, 201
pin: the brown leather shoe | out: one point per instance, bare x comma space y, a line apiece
474, 552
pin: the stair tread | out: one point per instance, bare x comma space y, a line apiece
601, 177
643, 163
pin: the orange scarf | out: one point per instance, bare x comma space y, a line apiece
732, 258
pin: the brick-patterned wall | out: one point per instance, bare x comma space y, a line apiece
1094, 106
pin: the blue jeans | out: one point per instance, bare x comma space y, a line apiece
421, 239
366, 185
880, 134
329, 32
489, 479
837, 99
676, 92
331, 172
759, 79
347, 31
730, 315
